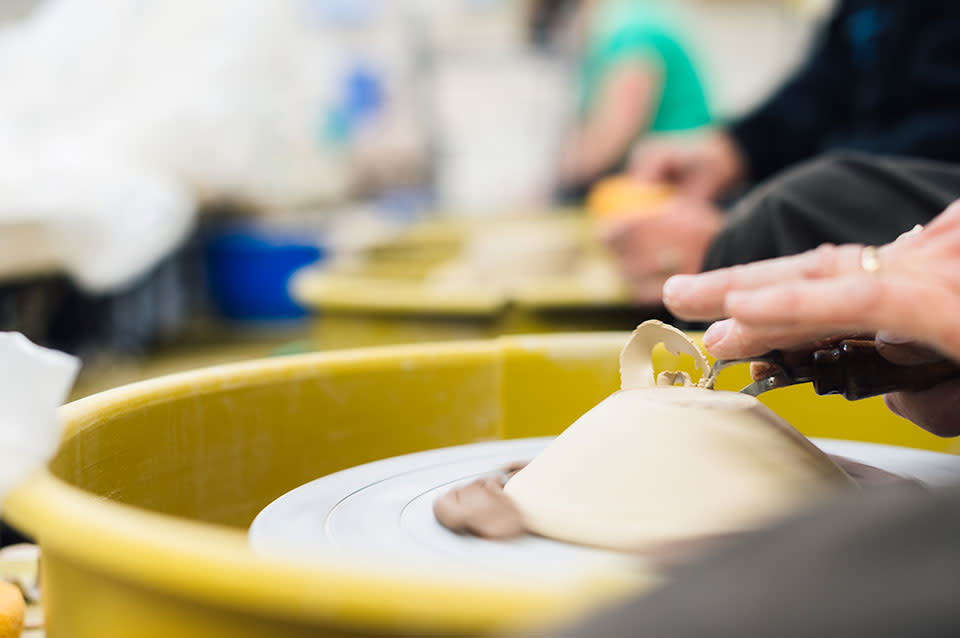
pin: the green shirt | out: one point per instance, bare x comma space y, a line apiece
640, 30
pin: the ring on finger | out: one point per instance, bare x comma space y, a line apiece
870, 259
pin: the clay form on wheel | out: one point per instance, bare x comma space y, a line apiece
653, 464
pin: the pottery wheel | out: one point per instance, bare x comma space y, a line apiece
382, 511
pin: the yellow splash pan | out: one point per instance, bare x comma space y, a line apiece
142, 514
386, 298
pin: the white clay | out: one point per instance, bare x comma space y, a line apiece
654, 464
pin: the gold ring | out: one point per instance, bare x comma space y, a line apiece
870, 259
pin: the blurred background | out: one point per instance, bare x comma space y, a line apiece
191, 182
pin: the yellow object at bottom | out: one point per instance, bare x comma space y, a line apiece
142, 515
12, 610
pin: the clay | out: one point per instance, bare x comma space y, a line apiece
657, 464
481, 508
636, 358
661, 464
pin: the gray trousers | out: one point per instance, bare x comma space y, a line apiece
840, 198
884, 563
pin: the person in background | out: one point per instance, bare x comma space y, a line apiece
881, 562
882, 80
636, 76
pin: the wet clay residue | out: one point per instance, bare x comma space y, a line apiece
483, 509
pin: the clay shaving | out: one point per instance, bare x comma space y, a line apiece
636, 359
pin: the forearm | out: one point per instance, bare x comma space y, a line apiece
623, 110
596, 148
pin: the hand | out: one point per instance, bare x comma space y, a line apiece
705, 169
651, 248
936, 410
790, 301
784, 303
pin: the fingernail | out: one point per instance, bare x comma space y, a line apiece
674, 286
716, 332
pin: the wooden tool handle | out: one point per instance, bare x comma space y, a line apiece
856, 370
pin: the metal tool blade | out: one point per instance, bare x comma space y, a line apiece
779, 380
773, 357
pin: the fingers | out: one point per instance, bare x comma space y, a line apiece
626, 235
836, 304
639, 262
731, 339
703, 296
780, 316
936, 410
859, 302
616, 234
905, 351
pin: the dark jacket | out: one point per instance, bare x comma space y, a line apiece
884, 77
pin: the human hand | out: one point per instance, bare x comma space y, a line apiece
651, 248
937, 409
788, 302
704, 169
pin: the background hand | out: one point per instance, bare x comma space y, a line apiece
704, 169
651, 248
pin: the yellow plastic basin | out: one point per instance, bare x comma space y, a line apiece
386, 298
142, 515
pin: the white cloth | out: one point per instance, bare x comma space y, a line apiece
34, 382
119, 117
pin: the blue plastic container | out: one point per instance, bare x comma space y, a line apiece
248, 269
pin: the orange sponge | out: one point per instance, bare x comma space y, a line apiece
622, 196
